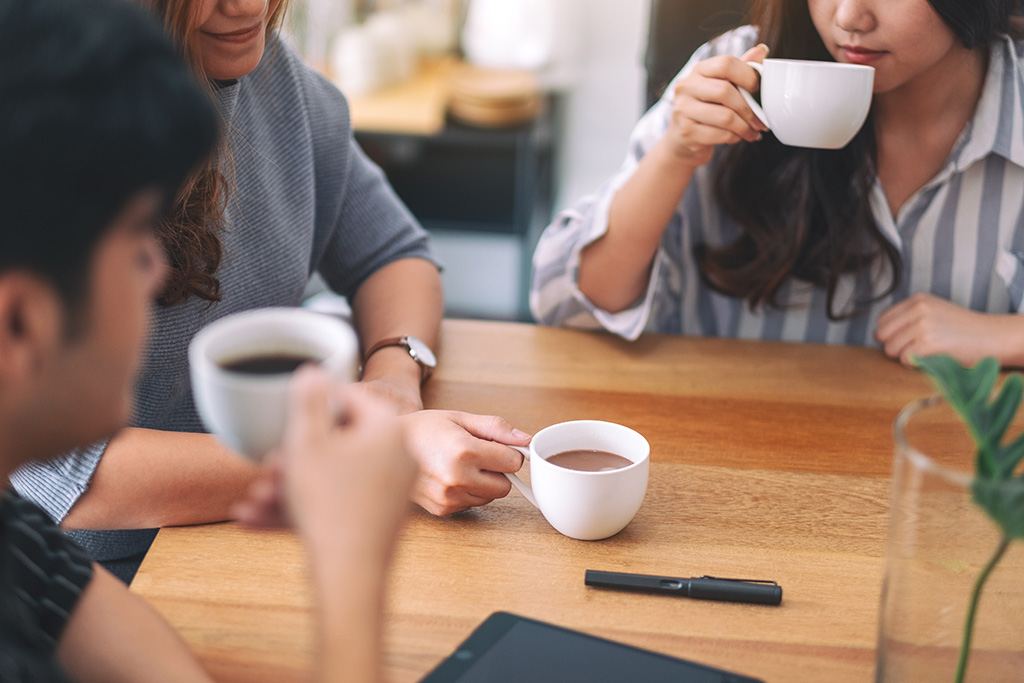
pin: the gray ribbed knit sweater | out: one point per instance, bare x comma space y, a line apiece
304, 199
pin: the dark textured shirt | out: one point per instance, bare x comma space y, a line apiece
42, 575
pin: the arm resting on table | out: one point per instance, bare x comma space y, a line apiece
404, 297
149, 478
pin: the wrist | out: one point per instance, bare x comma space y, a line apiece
674, 158
1007, 342
396, 376
413, 348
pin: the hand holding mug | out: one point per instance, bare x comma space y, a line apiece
708, 109
346, 482
331, 468
241, 366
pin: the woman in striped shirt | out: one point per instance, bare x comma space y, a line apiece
911, 237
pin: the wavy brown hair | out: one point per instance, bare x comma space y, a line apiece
805, 213
191, 232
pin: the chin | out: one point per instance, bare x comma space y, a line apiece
232, 69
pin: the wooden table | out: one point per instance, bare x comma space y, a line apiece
769, 461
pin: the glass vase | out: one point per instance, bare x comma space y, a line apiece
939, 542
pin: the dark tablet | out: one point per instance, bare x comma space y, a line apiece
507, 648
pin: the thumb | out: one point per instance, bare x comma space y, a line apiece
492, 428
758, 53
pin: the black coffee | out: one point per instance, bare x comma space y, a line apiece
268, 364
589, 460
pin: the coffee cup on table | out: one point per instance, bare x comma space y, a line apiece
587, 477
241, 367
812, 104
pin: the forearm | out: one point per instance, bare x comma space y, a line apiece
149, 478
614, 270
402, 298
1006, 342
349, 604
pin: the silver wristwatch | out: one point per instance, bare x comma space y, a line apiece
418, 351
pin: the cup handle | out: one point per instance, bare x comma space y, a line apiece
523, 487
754, 106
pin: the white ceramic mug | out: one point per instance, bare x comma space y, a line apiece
248, 412
812, 104
586, 505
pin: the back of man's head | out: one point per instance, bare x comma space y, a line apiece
96, 105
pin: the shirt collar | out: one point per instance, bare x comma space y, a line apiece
998, 123
225, 96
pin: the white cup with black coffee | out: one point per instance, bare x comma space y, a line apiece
241, 367
587, 477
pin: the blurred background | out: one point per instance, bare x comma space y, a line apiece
488, 116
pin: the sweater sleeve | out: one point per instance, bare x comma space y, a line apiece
362, 225
372, 227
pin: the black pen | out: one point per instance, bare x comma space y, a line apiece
701, 587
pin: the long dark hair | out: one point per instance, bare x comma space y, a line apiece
805, 213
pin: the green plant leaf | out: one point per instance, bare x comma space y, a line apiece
968, 391
1003, 501
1010, 457
964, 388
994, 488
997, 420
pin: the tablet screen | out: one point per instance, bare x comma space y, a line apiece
507, 648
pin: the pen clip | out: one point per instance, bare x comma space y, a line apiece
720, 578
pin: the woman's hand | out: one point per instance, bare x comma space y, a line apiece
925, 325
709, 110
461, 458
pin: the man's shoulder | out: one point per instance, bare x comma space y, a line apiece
34, 551
29, 543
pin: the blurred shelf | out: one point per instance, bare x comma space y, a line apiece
465, 180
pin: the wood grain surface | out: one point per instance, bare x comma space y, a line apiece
769, 461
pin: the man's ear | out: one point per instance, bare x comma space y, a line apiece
30, 323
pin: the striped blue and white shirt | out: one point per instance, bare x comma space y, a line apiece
961, 236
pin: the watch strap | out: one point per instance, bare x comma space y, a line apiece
425, 370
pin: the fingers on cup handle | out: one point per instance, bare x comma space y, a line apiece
751, 102
757, 53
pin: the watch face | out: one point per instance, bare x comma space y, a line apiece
421, 352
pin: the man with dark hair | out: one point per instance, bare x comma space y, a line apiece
100, 122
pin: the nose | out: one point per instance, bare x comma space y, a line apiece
856, 16
243, 8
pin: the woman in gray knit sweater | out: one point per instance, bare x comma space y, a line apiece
290, 194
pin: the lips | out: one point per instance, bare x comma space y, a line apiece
240, 36
855, 54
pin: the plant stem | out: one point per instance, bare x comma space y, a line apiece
965, 646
